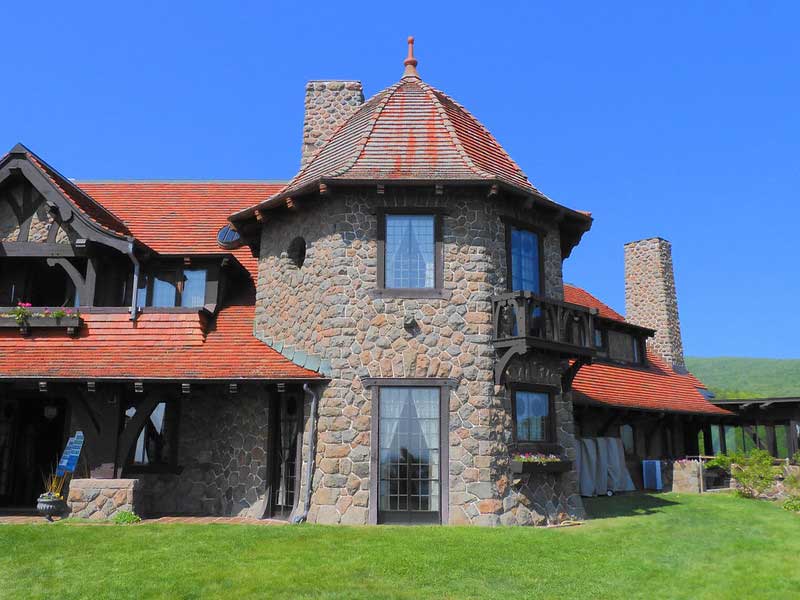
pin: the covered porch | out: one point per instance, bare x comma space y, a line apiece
155, 447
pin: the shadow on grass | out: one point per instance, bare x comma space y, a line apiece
626, 505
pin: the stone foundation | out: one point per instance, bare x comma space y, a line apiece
103, 498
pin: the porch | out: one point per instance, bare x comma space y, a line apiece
203, 449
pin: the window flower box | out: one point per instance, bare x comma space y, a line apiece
539, 463
69, 323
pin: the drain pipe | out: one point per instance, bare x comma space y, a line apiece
312, 452
135, 291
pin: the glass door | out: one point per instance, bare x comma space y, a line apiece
285, 428
409, 486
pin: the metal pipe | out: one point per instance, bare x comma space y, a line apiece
134, 292
312, 435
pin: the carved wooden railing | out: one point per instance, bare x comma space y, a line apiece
524, 321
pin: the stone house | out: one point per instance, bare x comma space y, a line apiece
374, 341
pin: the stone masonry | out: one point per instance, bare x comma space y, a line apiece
329, 308
103, 498
650, 297
223, 457
328, 105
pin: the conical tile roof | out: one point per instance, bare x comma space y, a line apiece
410, 132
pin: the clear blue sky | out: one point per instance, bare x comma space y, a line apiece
674, 119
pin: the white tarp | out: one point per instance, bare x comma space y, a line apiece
601, 466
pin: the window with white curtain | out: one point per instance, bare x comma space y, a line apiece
410, 251
409, 452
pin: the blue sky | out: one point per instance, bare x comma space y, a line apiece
673, 119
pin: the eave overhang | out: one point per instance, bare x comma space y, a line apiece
573, 224
22, 162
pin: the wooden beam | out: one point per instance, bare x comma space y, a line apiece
39, 250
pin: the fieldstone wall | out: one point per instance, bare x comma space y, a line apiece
329, 309
328, 104
686, 476
103, 498
222, 454
650, 297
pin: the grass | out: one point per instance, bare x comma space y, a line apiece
748, 377
638, 546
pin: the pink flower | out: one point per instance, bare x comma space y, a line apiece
69, 312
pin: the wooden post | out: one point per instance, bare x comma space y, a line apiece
708, 449
793, 441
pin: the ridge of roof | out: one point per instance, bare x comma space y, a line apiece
450, 128
491, 138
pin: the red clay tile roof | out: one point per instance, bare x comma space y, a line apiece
656, 387
652, 387
171, 218
410, 131
158, 346
181, 217
577, 295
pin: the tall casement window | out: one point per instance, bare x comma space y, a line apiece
156, 445
410, 254
533, 415
410, 453
525, 259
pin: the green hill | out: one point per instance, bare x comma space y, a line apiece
748, 377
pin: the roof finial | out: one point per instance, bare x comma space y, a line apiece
410, 62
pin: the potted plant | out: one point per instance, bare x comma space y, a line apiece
51, 503
538, 462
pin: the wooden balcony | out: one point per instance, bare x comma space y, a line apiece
524, 321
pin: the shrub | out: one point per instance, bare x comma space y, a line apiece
755, 473
125, 517
724, 461
792, 503
796, 458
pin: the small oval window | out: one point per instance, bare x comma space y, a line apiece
297, 251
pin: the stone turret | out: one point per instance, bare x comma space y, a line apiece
328, 105
650, 297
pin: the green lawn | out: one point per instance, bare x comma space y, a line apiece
659, 546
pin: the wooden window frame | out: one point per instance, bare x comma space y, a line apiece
550, 444
437, 291
212, 291
540, 232
445, 386
603, 347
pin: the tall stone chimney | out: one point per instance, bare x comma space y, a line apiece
328, 105
650, 297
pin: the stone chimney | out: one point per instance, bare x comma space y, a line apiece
650, 297
328, 105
